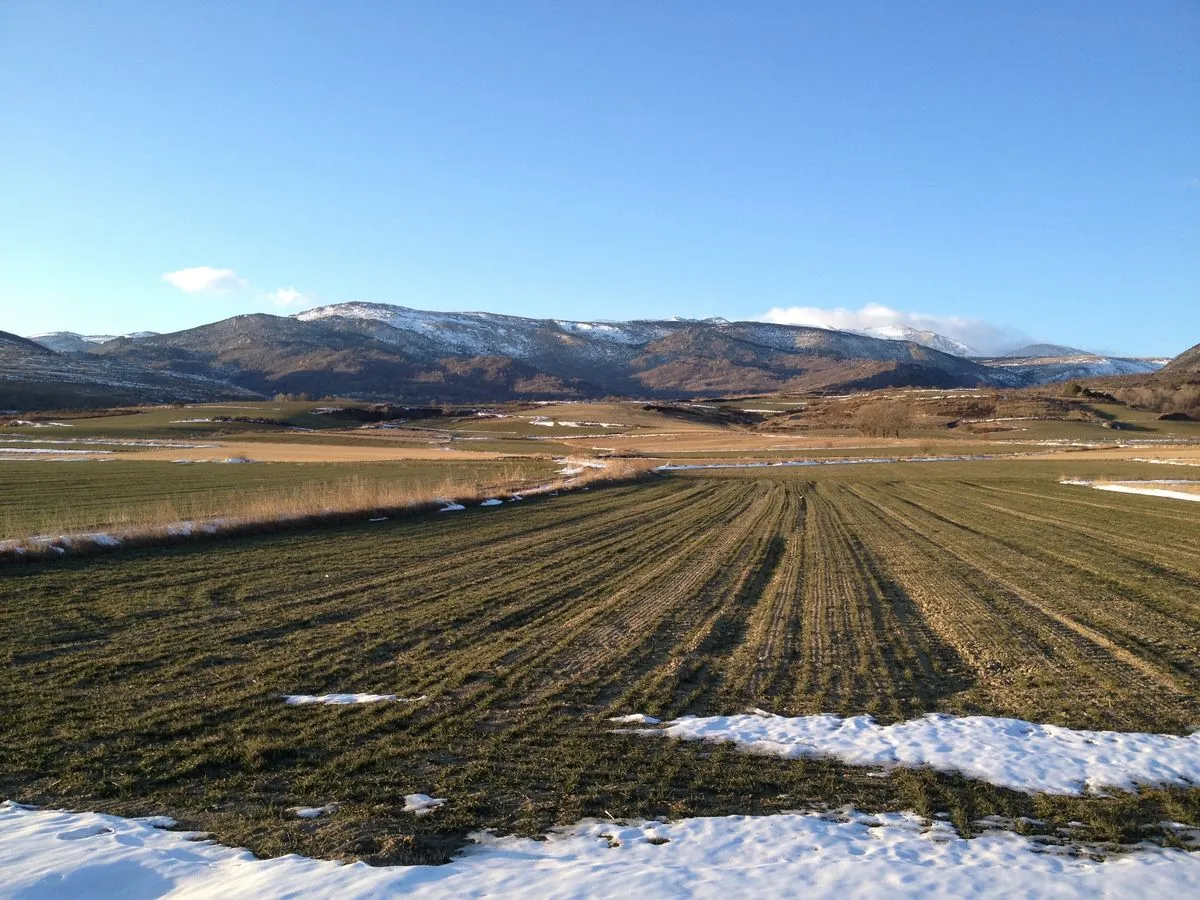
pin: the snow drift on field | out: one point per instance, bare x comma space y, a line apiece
314, 812
1147, 491
343, 699
1137, 488
422, 804
65, 855
1010, 753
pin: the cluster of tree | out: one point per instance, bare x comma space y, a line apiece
884, 419
1163, 398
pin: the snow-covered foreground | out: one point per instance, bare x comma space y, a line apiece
1009, 753
48, 854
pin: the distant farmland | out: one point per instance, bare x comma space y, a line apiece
152, 680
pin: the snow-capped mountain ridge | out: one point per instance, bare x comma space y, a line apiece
925, 338
483, 333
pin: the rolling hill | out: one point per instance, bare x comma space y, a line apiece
380, 351
35, 377
72, 342
1186, 363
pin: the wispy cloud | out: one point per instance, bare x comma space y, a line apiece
206, 280
289, 297
984, 336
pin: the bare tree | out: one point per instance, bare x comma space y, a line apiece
883, 419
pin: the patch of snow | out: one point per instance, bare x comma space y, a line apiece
1146, 491
342, 699
314, 812
636, 719
578, 466
43, 451
840, 461
58, 544
1134, 489
1011, 753
53, 854
550, 423
492, 501
452, 507
422, 804
95, 538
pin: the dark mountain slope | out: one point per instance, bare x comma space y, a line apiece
35, 377
1186, 363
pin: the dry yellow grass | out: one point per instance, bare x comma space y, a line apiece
354, 497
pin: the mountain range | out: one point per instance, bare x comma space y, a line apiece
386, 352
35, 377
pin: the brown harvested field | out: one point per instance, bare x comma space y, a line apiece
1181, 453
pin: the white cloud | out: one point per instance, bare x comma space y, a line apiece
206, 280
289, 297
984, 336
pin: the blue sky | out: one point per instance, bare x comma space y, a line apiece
1023, 166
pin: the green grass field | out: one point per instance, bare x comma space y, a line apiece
150, 681
182, 421
51, 498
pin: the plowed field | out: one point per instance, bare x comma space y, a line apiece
152, 681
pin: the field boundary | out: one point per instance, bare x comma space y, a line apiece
47, 548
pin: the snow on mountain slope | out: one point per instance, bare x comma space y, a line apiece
477, 334
930, 339
491, 334
1050, 370
72, 342
672, 354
